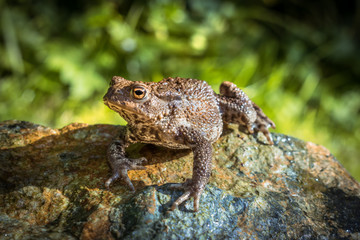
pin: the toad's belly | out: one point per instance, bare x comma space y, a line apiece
170, 138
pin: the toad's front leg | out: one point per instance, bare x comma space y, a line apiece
120, 164
194, 187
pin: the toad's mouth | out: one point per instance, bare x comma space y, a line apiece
119, 107
130, 113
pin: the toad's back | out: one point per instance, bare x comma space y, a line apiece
193, 105
198, 107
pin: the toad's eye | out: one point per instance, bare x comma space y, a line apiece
139, 93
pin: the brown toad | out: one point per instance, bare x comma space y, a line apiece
178, 113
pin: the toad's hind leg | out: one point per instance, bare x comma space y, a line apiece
262, 123
237, 108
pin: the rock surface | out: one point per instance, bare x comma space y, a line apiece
52, 187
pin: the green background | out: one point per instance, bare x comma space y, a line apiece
298, 60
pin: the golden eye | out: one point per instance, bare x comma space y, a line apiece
139, 92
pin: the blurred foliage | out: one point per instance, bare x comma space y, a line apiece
298, 60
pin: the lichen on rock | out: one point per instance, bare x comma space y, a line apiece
52, 187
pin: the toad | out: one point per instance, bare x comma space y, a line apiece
178, 113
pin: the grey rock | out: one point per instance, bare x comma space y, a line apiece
52, 187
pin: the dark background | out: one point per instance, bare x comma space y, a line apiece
298, 60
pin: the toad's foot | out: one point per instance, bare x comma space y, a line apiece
262, 124
121, 166
190, 191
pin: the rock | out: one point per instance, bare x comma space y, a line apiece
52, 187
